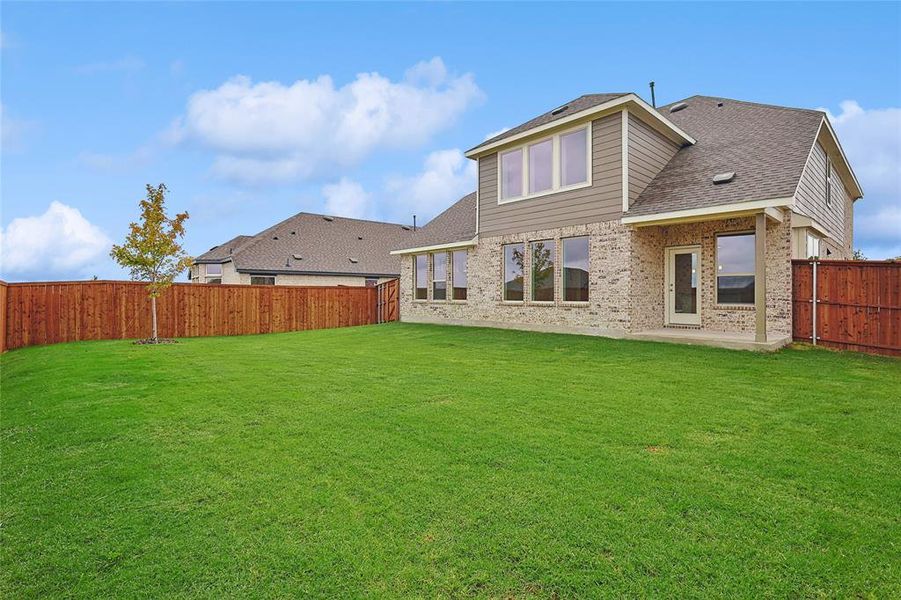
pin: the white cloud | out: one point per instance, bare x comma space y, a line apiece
58, 243
347, 199
871, 139
126, 64
13, 131
447, 175
268, 131
495, 133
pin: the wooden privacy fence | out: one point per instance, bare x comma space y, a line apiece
48, 313
852, 305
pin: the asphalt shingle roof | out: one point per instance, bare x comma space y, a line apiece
456, 224
766, 146
323, 244
573, 106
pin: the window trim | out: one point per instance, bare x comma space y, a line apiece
563, 299
556, 166
453, 273
416, 278
716, 267
532, 288
433, 280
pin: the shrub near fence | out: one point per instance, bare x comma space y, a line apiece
854, 305
52, 312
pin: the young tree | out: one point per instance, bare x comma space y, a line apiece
152, 251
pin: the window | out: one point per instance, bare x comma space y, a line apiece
575, 269
541, 166
543, 258
262, 280
574, 158
813, 246
216, 280
511, 174
439, 276
371, 282
214, 270
459, 275
554, 163
735, 267
828, 182
420, 277
513, 281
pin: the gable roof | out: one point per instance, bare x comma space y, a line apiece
309, 243
583, 108
765, 146
456, 224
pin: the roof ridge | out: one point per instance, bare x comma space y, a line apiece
749, 102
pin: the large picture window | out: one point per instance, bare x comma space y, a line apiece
511, 174
513, 273
439, 276
574, 158
421, 277
555, 163
575, 269
459, 275
735, 267
543, 259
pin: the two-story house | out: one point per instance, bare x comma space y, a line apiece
611, 217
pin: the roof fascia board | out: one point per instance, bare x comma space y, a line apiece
464, 244
724, 211
846, 170
264, 272
609, 106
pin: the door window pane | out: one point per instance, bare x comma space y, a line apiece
421, 277
439, 276
511, 174
513, 280
543, 259
459, 274
685, 283
575, 269
574, 157
541, 166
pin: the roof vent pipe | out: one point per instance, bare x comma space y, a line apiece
653, 98
414, 222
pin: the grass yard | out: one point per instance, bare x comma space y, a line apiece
412, 460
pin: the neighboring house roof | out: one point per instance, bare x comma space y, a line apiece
765, 146
570, 108
311, 243
223, 252
456, 224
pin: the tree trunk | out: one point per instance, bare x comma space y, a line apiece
153, 310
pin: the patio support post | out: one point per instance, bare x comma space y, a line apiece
760, 276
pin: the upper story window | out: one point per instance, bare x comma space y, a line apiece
214, 269
555, 163
828, 182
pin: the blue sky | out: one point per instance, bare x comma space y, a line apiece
253, 112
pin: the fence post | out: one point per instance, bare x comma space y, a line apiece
813, 299
3, 297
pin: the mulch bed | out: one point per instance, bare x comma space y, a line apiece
151, 341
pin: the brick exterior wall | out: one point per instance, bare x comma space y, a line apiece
626, 281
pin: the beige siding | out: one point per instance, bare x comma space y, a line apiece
811, 198
648, 154
602, 201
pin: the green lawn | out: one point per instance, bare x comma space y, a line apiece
404, 460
